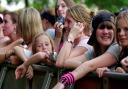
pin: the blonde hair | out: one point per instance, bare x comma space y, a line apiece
35, 39
81, 14
29, 24
69, 3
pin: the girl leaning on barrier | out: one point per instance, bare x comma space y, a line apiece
104, 53
42, 49
29, 25
122, 38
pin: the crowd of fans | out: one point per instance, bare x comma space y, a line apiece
69, 36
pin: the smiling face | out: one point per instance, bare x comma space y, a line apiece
43, 43
122, 32
61, 8
105, 34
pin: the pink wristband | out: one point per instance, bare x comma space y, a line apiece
67, 79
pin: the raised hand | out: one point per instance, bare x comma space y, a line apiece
76, 31
19, 41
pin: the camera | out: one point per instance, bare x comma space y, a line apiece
53, 56
60, 19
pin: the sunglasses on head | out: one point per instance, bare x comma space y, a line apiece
103, 26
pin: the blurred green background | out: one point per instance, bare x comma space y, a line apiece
112, 5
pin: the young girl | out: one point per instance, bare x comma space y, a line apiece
122, 38
42, 48
61, 33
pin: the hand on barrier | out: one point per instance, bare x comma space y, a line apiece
120, 70
100, 71
29, 73
124, 61
20, 71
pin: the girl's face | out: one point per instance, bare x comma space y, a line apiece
61, 8
105, 34
69, 22
122, 32
9, 26
43, 43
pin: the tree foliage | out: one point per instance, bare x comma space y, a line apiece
112, 5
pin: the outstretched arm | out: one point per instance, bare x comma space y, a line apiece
21, 70
13, 44
38, 57
102, 61
6, 51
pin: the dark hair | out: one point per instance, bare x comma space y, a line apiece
48, 16
99, 18
103, 17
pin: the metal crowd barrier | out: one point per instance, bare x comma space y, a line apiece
45, 77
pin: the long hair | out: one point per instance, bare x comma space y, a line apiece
69, 3
29, 24
106, 18
122, 15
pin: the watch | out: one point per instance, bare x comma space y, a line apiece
70, 41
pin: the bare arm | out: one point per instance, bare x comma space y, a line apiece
58, 34
38, 57
13, 44
63, 54
75, 62
77, 51
19, 51
102, 61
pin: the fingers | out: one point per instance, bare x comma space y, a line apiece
120, 70
58, 26
79, 26
124, 62
29, 73
18, 73
100, 71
